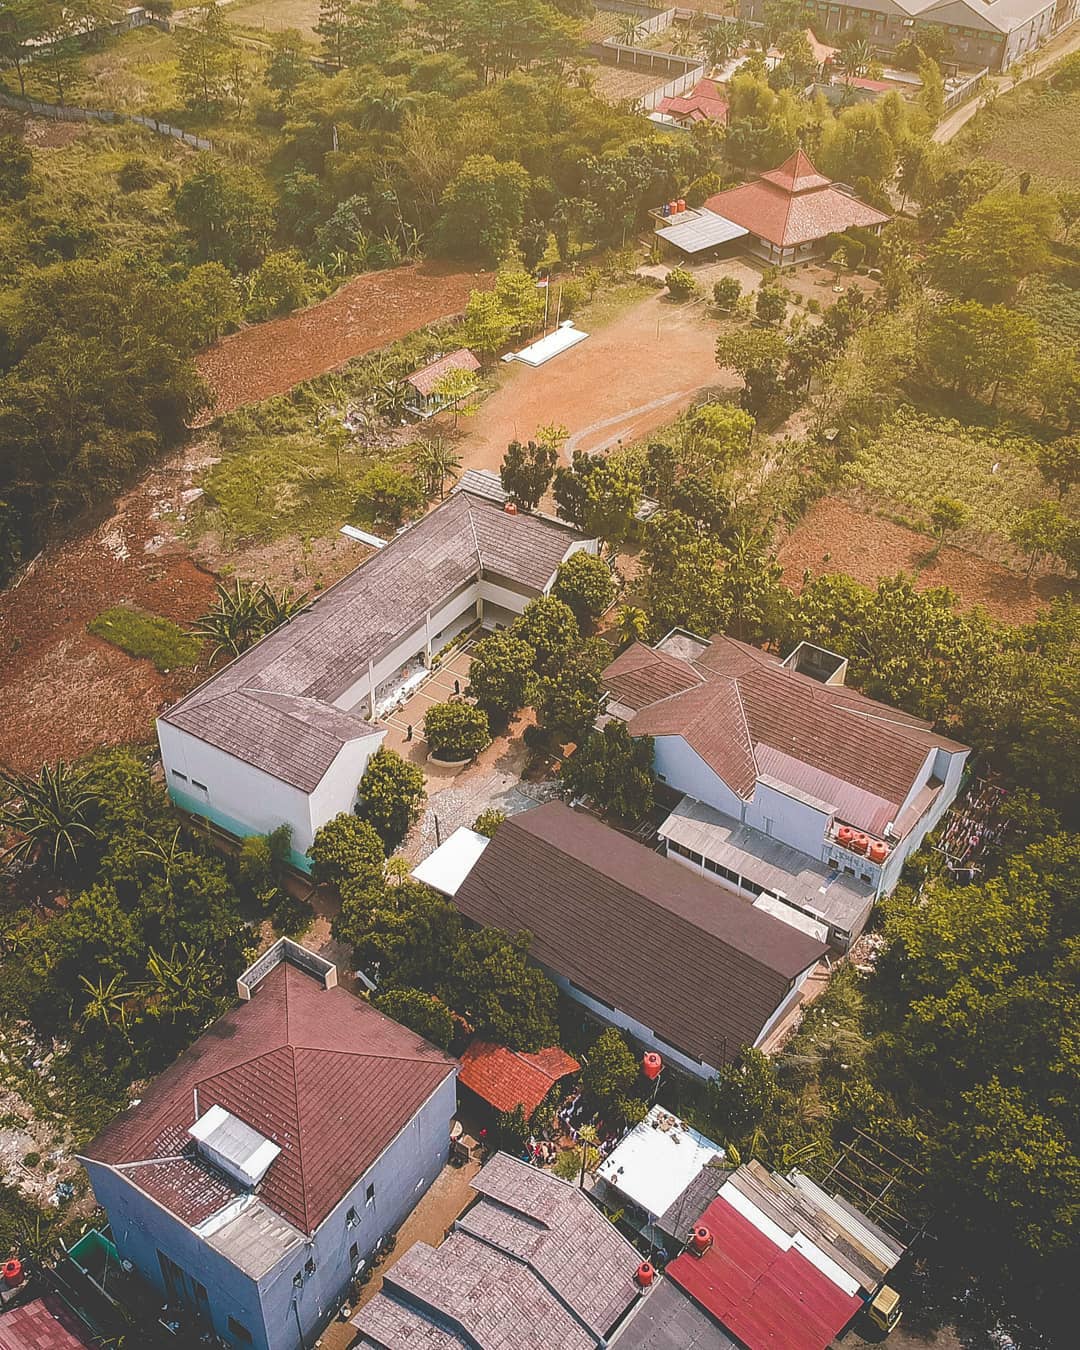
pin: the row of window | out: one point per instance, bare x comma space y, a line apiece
183, 778
744, 883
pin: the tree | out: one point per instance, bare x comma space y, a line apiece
610, 1068
279, 284
613, 769
226, 210
742, 1094
550, 629
487, 325
994, 245
1059, 462
681, 284
584, 583
288, 66
569, 697
423, 1013
751, 589
599, 495
1040, 530
436, 462
211, 295
50, 817
947, 515
455, 388
770, 305
493, 985
488, 821
335, 27
347, 851
205, 46
978, 346
456, 731
682, 585
23, 23
721, 432
501, 675
483, 208
526, 472
391, 796
405, 935
726, 292
1068, 205
631, 624
388, 493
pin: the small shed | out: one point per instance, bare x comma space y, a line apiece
423, 397
505, 1078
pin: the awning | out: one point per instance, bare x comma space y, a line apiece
702, 231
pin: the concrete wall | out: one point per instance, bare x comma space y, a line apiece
794, 822
949, 767
681, 767
337, 790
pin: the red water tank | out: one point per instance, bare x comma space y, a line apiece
682, 204
674, 208
844, 835
861, 843
651, 1064
511, 509
700, 1240
13, 1272
645, 1274
878, 851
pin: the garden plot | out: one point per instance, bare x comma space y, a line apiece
1032, 130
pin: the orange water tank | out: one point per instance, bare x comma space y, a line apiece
861, 843
878, 851
12, 1272
700, 1240
682, 204
651, 1064
844, 835
674, 208
511, 509
645, 1274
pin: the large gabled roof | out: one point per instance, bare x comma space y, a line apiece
696, 964
273, 707
321, 1073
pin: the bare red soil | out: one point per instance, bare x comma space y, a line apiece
64, 692
375, 309
835, 537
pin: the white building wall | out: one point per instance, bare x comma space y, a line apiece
949, 767
786, 818
336, 791
800, 980
681, 767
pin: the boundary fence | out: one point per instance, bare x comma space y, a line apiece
62, 112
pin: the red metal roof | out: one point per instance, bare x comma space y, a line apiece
319, 1071
793, 204
508, 1078
425, 379
771, 1299
44, 1324
702, 103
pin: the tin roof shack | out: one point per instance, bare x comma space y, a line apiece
268, 1162
802, 796
505, 1079
532, 1264
425, 394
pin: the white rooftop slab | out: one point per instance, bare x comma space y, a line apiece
657, 1160
796, 918
703, 230
446, 868
362, 537
236, 1148
541, 351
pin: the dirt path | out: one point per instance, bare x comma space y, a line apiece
834, 536
375, 309
632, 375
64, 692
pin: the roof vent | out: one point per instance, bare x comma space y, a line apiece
239, 1151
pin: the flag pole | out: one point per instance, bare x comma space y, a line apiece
547, 300
558, 307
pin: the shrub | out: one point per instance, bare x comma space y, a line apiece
290, 915
487, 822
701, 189
681, 284
391, 795
456, 730
584, 583
726, 292
387, 494
137, 174
280, 284
346, 849
16, 169
813, 306
420, 1012
568, 1164
146, 636
256, 864
771, 305
611, 1068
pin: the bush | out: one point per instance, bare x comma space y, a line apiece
771, 305
681, 284
16, 169
137, 174
701, 189
456, 730
290, 915
279, 285
146, 636
726, 292
346, 849
568, 1164
391, 795
423, 1013
487, 822
256, 864
611, 1068
813, 306
584, 583
387, 494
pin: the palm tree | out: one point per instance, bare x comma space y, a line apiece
855, 58
631, 624
107, 1002
181, 981
686, 41
626, 33
233, 623
388, 398
588, 1139
49, 815
436, 461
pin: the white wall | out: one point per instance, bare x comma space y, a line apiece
682, 767
949, 767
800, 980
794, 822
337, 790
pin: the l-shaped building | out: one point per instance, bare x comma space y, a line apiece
282, 735
802, 795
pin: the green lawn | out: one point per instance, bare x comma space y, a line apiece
917, 458
1031, 130
147, 636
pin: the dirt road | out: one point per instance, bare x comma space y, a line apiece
370, 312
632, 375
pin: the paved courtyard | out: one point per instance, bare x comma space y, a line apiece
449, 678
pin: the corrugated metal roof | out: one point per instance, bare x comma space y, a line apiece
881, 1247
508, 1078
704, 230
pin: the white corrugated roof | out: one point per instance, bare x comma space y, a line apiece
446, 868
703, 230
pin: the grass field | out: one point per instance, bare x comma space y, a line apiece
147, 636
917, 458
271, 16
1055, 307
1031, 130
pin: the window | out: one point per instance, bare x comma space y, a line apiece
238, 1330
768, 825
751, 886
354, 1254
180, 777
369, 1194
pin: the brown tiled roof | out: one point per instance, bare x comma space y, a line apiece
793, 204
753, 716
507, 1078
425, 380
43, 1324
701, 967
320, 1072
273, 706
532, 1265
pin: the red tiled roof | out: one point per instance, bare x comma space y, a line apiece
766, 1296
745, 714
425, 380
703, 102
44, 1324
793, 204
508, 1078
320, 1072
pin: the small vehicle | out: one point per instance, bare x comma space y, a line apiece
884, 1309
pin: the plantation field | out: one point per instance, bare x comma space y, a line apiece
1055, 307
917, 458
271, 16
1032, 130
614, 84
